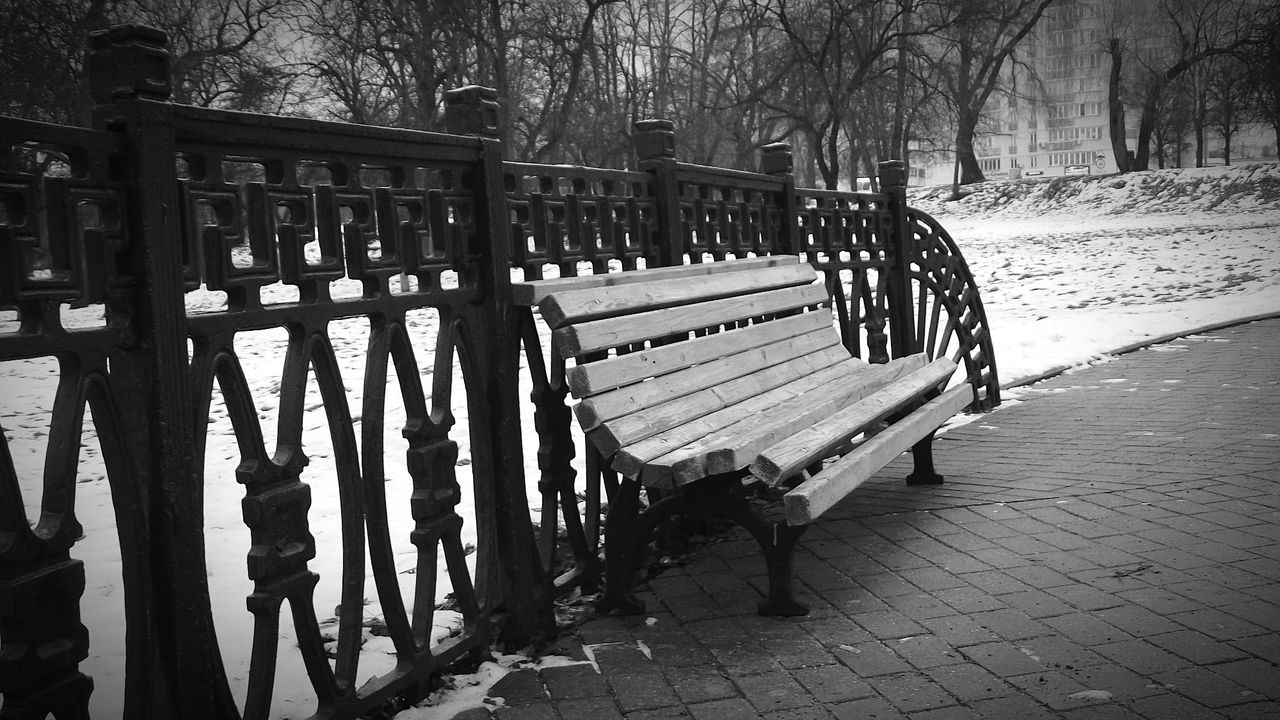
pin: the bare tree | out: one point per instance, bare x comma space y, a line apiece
42, 49
1263, 60
976, 44
1229, 100
1152, 44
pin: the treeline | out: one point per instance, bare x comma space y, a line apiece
847, 82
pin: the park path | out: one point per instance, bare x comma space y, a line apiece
1107, 545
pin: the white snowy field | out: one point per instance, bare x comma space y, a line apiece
1069, 271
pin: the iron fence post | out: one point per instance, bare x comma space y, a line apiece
776, 159
655, 147
175, 668
902, 250
524, 590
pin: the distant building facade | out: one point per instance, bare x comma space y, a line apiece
1055, 120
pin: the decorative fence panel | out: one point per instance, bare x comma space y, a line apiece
372, 444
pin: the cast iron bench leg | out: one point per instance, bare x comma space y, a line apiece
922, 454
777, 542
627, 533
623, 548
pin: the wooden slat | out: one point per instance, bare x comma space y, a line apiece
532, 292
639, 397
793, 453
814, 496
653, 419
574, 340
575, 306
630, 460
656, 455
743, 442
735, 445
614, 372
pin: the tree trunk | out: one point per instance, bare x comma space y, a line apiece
970, 170
1198, 119
1115, 110
1146, 126
501, 81
831, 169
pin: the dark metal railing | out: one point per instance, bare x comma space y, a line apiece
413, 238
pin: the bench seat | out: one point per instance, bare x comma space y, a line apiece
703, 376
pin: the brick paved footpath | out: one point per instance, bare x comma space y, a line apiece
1107, 545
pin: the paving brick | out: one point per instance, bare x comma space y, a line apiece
1011, 624
1137, 621
870, 659
600, 708
1159, 599
1123, 683
1058, 652
867, 708
519, 687
959, 630
1259, 676
543, 710
667, 713
796, 649
1217, 624
1039, 577
1171, 705
1099, 712
1085, 597
1206, 687
621, 657
910, 693
926, 651
1266, 647
700, 684
969, 682
731, 709
887, 585
809, 712
1086, 629
1036, 604
955, 712
830, 684
968, 599
1059, 691
639, 691
886, 624
1022, 707
1197, 647
773, 691
1254, 711
573, 681
1002, 658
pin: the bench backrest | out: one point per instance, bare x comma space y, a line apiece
774, 326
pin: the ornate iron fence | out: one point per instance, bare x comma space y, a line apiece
138, 258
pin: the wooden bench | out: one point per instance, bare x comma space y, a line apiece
694, 381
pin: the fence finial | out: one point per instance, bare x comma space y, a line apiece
654, 139
776, 159
129, 61
893, 173
472, 110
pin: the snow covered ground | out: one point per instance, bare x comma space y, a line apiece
1070, 269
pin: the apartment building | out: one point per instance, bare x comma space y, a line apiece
1055, 120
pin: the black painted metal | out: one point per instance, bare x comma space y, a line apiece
306, 225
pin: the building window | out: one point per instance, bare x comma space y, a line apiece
989, 164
